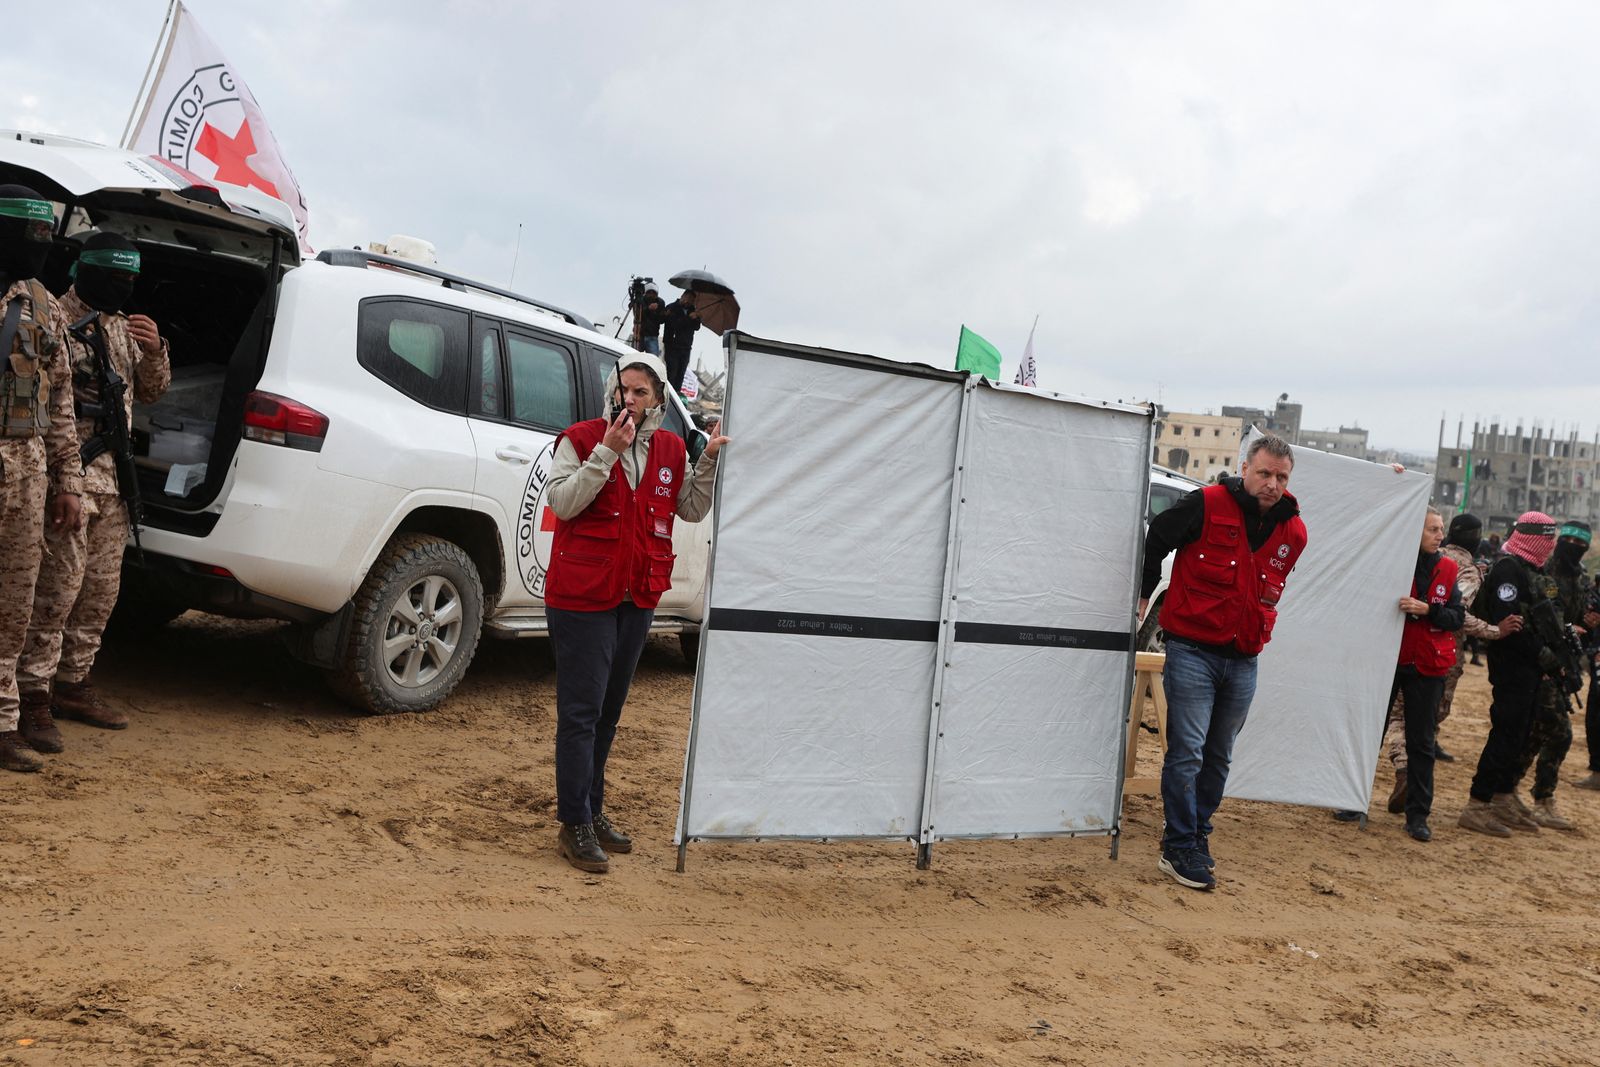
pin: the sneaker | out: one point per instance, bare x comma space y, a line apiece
611, 839
1187, 868
1204, 848
1418, 829
578, 845
1397, 796
15, 755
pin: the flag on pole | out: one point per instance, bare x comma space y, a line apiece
201, 116
1466, 486
973, 353
1027, 371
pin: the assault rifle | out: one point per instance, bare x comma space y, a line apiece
110, 417
1564, 662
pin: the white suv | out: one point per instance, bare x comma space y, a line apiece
359, 444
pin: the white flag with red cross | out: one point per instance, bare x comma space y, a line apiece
201, 116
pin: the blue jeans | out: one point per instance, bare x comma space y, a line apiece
651, 345
1208, 696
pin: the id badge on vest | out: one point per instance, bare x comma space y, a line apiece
663, 527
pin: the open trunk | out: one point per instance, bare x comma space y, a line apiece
212, 257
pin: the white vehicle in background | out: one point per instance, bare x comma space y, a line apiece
359, 445
1167, 487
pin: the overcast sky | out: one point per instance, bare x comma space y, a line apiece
1383, 210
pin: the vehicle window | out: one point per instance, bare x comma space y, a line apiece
541, 392
1163, 497
488, 385
418, 348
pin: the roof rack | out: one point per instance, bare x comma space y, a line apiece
356, 257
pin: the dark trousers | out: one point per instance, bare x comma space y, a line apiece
677, 361
1510, 716
1421, 695
596, 653
1549, 738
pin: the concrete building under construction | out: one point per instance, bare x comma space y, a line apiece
1513, 471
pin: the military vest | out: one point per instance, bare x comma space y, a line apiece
24, 383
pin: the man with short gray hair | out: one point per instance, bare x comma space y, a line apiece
1236, 541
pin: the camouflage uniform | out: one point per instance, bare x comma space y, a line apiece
82, 570
1468, 580
31, 466
1550, 737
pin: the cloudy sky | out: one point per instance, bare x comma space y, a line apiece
1382, 210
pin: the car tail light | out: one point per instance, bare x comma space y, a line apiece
277, 420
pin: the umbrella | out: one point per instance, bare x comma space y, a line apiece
714, 300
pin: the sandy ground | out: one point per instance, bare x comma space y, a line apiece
253, 875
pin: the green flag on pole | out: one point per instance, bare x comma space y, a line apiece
1466, 487
976, 354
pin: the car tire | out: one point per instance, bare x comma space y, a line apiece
689, 645
1152, 638
142, 607
399, 656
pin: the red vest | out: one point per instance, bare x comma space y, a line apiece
1430, 650
1222, 593
621, 544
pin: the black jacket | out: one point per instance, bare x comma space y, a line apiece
679, 326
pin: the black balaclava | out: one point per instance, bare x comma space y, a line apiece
1466, 531
26, 222
105, 272
1571, 544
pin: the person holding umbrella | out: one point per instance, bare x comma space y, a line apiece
707, 301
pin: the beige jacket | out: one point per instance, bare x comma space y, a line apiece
574, 485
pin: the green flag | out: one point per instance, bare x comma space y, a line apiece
976, 354
1466, 486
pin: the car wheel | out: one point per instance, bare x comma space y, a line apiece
1152, 638
142, 606
414, 627
689, 645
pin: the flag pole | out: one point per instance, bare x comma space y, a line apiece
139, 97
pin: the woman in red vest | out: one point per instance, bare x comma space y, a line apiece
1434, 613
616, 485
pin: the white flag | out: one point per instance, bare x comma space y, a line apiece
201, 116
1027, 372
691, 384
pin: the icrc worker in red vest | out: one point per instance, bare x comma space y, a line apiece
616, 484
1236, 542
1434, 613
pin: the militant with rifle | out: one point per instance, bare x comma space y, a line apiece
1561, 658
110, 415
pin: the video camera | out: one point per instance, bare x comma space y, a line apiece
636, 286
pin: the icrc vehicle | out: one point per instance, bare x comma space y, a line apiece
359, 444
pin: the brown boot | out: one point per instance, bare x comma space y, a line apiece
37, 727
1545, 814
1477, 816
1505, 809
15, 755
1591, 782
78, 700
1397, 798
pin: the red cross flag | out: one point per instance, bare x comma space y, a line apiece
201, 116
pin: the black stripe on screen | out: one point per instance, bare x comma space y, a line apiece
988, 633
748, 621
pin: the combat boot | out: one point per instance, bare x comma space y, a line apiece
15, 755
1591, 782
1505, 809
1478, 816
1545, 814
79, 701
611, 839
578, 845
1397, 798
37, 726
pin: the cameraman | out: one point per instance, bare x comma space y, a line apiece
611, 561
648, 314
